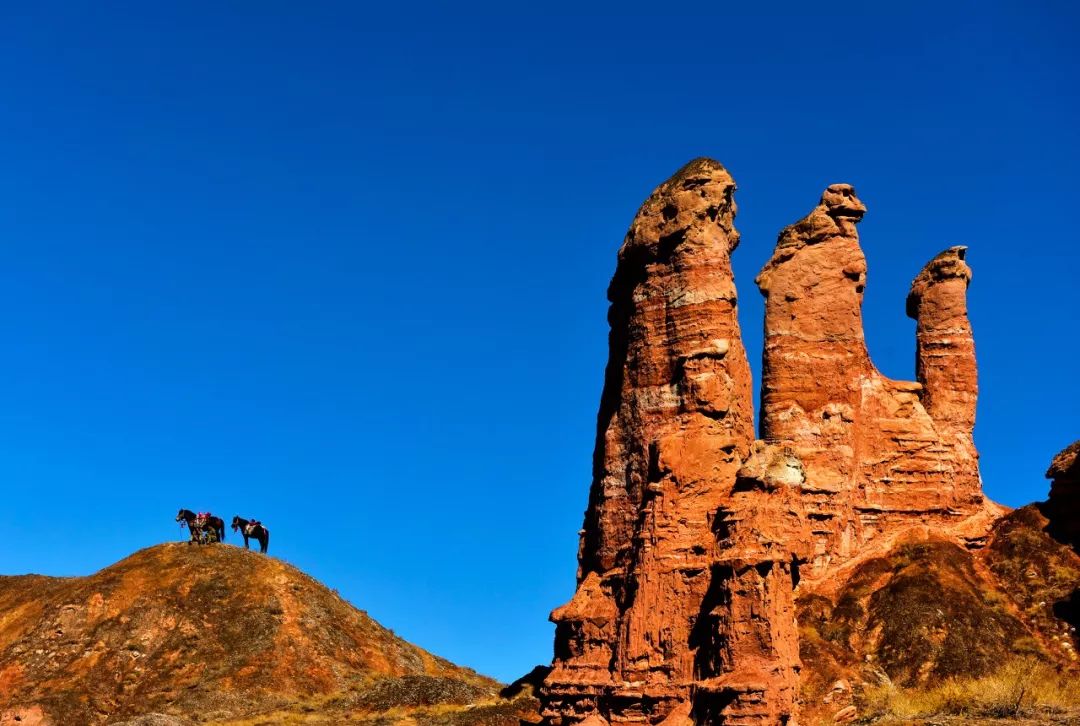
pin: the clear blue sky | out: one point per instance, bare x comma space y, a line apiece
342, 266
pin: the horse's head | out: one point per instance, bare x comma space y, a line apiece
236, 523
181, 515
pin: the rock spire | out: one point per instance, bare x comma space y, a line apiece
696, 536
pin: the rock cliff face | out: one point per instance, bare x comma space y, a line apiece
1063, 506
696, 536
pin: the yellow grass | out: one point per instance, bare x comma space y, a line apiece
320, 712
1021, 687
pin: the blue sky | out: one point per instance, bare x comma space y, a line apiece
342, 267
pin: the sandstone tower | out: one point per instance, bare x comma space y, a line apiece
696, 536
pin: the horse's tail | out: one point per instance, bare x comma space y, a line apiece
266, 541
221, 530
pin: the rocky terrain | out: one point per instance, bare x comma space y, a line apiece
844, 561
218, 634
1063, 506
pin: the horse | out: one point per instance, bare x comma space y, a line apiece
215, 524
251, 528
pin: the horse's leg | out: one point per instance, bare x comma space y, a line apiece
246, 541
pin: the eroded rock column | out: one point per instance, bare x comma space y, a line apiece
880, 455
674, 426
945, 359
815, 360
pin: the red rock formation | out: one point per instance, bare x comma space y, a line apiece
880, 455
945, 348
693, 539
814, 356
1063, 506
675, 424
750, 659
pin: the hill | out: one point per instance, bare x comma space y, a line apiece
930, 629
215, 634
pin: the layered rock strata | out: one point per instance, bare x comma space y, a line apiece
880, 455
651, 622
696, 536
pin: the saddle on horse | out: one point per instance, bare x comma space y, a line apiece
204, 528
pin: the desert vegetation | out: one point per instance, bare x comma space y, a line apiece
1022, 688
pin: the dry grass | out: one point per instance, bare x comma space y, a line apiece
324, 712
1022, 687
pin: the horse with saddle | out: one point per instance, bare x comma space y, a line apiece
205, 528
252, 529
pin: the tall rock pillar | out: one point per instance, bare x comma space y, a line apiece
815, 360
945, 356
674, 426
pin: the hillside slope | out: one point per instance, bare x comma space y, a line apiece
210, 634
929, 616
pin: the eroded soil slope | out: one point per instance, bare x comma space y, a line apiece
211, 634
930, 612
